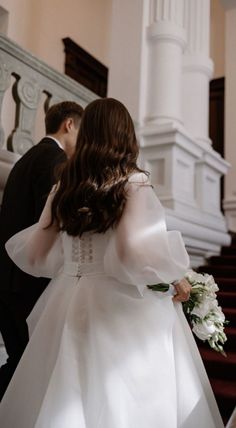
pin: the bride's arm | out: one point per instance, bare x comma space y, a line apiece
43, 236
37, 250
141, 251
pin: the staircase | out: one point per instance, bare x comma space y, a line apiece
221, 370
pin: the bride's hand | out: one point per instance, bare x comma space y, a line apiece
183, 289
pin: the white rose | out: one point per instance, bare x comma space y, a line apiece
213, 303
219, 315
204, 330
210, 283
207, 280
200, 278
203, 309
190, 275
194, 276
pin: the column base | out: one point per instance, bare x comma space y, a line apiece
186, 177
202, 238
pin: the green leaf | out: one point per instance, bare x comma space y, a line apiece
159, 287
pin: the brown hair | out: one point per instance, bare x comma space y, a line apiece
92, 194
60, 112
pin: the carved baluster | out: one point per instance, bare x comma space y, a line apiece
26, 93
5, 81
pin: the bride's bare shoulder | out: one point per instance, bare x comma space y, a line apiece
139, 178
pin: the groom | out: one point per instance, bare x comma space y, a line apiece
24, 197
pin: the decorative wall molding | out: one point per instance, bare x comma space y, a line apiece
84, 68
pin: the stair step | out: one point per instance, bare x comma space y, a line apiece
228, 250
223, 260
233, 239
230, 315
217, 364
230, 345
227, 298
219, 270
226, 284
222, 370
225, 393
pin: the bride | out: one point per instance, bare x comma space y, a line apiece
106, 351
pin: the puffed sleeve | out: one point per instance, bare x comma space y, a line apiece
141, 251
37, 250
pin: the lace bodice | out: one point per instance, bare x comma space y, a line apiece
84, 255
90, 248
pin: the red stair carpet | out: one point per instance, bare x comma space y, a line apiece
222, 370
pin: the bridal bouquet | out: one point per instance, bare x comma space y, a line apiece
202, 309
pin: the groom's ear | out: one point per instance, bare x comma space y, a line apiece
68, 124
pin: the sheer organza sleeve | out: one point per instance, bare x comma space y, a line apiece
38, 250
141, 251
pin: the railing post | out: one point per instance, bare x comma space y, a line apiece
26, 94
5, 81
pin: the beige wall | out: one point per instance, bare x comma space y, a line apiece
40, 25
217, 38
230, 102
84, 21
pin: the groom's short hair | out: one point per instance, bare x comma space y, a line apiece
60, 112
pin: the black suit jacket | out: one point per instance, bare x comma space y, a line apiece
24, 197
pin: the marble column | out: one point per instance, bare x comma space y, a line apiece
166, 38
150, 73
166, 150
197, 69
197, 72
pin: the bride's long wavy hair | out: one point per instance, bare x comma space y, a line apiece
92, 195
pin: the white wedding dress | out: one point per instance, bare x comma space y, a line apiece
106, 352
